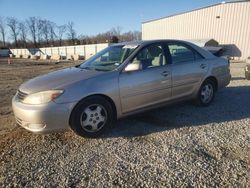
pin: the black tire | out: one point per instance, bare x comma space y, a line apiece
201, 100
86, 113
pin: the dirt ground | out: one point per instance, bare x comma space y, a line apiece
176, 146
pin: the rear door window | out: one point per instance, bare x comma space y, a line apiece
181, 53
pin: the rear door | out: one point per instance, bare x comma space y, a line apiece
149, 85
188, 69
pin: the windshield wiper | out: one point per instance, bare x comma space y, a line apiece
93, 68
97, 69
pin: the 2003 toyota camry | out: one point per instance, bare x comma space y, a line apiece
121, 80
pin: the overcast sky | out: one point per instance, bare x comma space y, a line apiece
95, 16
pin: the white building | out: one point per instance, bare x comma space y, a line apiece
228, 23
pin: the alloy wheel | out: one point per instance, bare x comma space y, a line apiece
207, 93
93, 118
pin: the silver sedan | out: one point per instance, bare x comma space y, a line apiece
121, 80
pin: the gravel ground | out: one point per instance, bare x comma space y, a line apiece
176, 146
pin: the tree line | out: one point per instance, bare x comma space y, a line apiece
36, 32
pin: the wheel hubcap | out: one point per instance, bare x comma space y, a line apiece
93, 118
207, 93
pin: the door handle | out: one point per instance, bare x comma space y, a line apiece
165, 73
203, 66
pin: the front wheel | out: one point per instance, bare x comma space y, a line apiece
206, 93
91, 117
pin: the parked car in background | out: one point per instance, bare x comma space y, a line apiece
121, 80
247, 69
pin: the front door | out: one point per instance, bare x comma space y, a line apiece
149, 85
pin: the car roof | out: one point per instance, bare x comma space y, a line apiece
145, 42
140, 42
205, 53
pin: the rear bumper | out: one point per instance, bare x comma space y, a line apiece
224, 80
43, 118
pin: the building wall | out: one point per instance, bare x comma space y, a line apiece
231, 29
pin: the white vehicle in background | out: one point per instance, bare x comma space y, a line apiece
247, 69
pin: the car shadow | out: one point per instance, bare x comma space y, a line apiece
230, 104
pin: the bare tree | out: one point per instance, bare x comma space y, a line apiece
130, 36
47, 32
114, 35
60, 32
52, 32
71, 32
116, 31
13, 25
32, 25
43, 31
137, 35
83, 39
2, 30
40, 29
23, 32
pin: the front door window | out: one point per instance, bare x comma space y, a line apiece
151, 56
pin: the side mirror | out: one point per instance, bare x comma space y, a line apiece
132, 67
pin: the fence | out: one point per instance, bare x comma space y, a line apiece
65, 51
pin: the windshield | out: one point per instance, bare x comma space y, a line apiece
110, 58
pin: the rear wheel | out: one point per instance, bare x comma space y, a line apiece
206, 93
91, 117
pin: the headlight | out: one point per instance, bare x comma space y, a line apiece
42, 97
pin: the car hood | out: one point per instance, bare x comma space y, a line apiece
57, 79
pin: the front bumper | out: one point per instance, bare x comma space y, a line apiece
42, 118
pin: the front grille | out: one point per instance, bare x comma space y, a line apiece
21, 95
